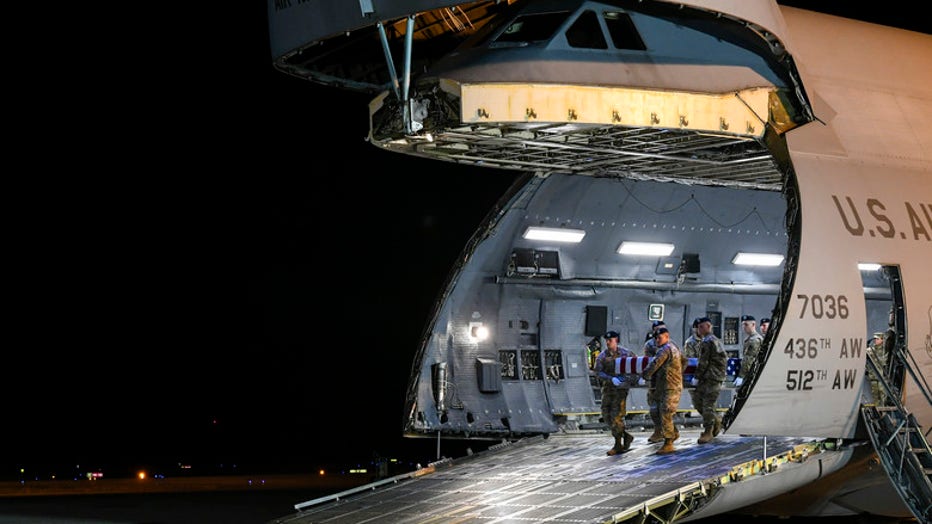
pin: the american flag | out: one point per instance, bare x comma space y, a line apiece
734, 365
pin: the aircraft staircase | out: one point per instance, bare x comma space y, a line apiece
898, 439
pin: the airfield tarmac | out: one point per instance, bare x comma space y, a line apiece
252, 507
251, 499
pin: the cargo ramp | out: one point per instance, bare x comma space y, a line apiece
569, 478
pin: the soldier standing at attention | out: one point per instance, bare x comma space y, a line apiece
666, 373
650, 350
751, 347
614, 392
710, 372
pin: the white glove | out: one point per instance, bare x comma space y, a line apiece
738, 382
641, 382
617, 381
694, 381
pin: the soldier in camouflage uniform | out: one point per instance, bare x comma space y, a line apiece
875, 349
650, 350
666, 372
710, 372
751, 348
614, 392
691, 350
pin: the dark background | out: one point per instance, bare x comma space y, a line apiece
208, 265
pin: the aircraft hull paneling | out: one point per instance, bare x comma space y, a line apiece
764, 13
762, 487
873, 99
884, 59
885, 219
849, 215
294, 24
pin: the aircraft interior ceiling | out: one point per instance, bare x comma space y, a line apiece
711, 222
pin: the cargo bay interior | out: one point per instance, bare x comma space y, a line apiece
510, 347
624, 224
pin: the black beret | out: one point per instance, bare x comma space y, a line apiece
612, 334
696, 321
765, 320
705, 319
658, 323
747, 317
661, 330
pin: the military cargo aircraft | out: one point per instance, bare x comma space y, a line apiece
704, 158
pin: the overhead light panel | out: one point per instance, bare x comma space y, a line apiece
554, 234
757, 259
868, 266
645, 248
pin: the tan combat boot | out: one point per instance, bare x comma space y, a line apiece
667, 447
718, 427
628, 439
656, 436
616, 449
706, 436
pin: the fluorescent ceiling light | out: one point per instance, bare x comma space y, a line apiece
645, 248
757, 259
868, 266
554, 234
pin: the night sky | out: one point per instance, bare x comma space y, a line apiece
245, 287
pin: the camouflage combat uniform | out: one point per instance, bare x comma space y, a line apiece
749, 353
614, 398
710, 371
691, 350
650, 350
666, 374
878, 351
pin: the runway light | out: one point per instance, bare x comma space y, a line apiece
868, 266
141, 475
554, 234
757, 259
645, 248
